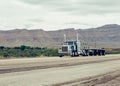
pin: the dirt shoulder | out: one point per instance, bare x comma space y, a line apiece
88, 74
17, 65
108, 79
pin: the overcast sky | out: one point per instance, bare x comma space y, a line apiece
58, 14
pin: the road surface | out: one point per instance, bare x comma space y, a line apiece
66, 71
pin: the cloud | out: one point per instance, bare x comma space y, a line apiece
79, 6
55, 14
38, 20
103, 2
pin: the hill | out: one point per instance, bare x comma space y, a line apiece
104, 36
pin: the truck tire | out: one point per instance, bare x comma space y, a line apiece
103, 52
90, 53
61, 55
99, 52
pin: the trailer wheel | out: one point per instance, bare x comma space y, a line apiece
99, 52
103, 52
91, 53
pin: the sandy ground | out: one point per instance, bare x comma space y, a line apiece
16, 65
108, 79
100, 71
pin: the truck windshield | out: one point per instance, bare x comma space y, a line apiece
68, 43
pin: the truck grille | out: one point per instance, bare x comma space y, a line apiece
64, 49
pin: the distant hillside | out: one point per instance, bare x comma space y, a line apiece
105, 36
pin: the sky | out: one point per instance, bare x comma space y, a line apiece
58, 14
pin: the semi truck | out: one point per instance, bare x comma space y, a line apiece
73, 48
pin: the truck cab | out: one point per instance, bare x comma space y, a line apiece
70, 48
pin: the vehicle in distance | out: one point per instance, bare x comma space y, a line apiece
73, 48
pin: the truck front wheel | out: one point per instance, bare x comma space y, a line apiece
61, 55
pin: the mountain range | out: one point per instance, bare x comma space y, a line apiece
107, 36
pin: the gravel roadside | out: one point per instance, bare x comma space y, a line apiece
18, 65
